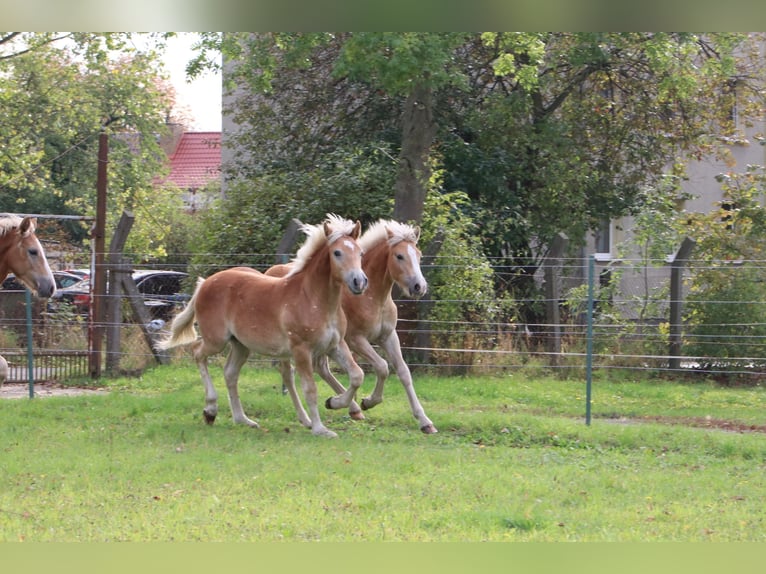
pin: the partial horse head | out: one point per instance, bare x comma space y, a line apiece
345, 255
403, 254
22, 254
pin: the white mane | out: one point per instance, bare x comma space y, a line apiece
316, 239
376, 233
7, 222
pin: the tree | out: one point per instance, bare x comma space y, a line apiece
395, 72
59, 92
545, 132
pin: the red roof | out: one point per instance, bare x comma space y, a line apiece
197, 160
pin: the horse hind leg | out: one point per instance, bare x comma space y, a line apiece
211, 396
394, 352
288, 380
237, 357
303, 366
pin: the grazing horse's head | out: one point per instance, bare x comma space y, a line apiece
403, 261
345, 255
22, 255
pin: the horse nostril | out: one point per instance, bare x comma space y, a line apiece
417, 288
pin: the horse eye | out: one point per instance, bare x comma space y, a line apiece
400, 257
336, 253
33, 252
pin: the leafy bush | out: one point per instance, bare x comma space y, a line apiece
726, 316
725, 313
460, 279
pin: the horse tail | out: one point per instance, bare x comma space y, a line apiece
182, 328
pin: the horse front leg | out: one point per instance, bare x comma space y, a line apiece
363, 348
393, 350
322, 366
302, 358
342, 355
288, 380
237, 357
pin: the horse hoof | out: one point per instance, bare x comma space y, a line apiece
429, 429
357, 415
209, 419
328, 404
367, 404
325, 432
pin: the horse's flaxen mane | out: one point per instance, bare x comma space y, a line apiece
316, 239
376, 234
7, 222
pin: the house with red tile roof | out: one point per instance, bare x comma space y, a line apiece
194, 164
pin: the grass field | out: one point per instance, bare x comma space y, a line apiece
513, 461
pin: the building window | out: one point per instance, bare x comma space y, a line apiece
603, 241
727, 214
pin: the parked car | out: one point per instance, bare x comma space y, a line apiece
63, 279
161, 290
82, 273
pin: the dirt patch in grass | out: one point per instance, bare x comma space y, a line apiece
44, 389
697, 422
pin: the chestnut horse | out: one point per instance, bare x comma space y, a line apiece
297, 316
22, 255
390, 256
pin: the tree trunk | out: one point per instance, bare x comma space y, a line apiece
418, 131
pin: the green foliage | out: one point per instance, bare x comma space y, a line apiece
726, 317
56, 100
394, 61
461, 279
246, 226
725, 313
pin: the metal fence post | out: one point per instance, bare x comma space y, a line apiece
30, 342
589, 352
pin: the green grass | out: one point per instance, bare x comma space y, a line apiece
513, 461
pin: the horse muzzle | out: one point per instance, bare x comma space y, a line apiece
357, 283
45, 288
417, 288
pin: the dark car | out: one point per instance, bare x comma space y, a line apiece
63, 279
162, 292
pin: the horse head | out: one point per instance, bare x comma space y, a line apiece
404, 259
345, 253
23, 255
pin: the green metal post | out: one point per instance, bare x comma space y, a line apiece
589, 352
30, 355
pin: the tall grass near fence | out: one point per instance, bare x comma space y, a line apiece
513, 461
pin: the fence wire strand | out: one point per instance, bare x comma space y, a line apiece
630, 329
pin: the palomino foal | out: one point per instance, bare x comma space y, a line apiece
296, 316
390, 256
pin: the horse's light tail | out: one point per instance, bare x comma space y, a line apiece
182, 328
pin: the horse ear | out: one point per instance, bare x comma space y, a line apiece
357, 230
327, 229
417, 233
27, 226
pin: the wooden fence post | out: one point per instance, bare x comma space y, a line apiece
288, 240
552, 272
676, 302
113, 306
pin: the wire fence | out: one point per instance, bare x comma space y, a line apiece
723, 329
